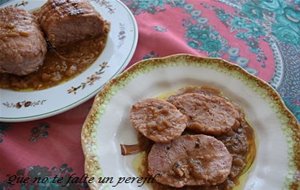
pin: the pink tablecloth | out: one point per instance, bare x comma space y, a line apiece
261, 36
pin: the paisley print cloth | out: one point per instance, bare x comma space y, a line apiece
262, 36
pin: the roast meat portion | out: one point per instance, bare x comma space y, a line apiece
190, 160
68, 21
208, 114
157, 120
22, 44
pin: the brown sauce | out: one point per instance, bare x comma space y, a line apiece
60, 65
240, 143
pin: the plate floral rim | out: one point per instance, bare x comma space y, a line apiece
289, 123
81, 100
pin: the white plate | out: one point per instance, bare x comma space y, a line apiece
122, 40
107, 126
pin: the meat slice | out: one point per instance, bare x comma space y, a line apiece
205, 90
157, 119
68, 21
190, 160
207, 114
22, 45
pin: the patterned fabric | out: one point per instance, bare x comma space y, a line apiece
46, 148
3, 1
262, 36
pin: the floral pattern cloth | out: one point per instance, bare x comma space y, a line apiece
262, 36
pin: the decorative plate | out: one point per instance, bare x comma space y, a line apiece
277, 132
122, 40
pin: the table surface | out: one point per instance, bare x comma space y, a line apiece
262, 37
